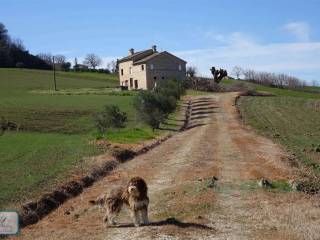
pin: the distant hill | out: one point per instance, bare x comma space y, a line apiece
14, 54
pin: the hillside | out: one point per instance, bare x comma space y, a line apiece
290, 118
55, 129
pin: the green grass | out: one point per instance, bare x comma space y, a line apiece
55, 129
130, 135
34, 161
86, 91
286, 92
290, 118
276, 186
303, 92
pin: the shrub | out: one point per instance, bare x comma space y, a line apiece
167, 104
111, 117
173, 88
149, 109
153, 107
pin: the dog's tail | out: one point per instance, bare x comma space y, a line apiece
101, 200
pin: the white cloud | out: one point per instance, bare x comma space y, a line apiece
301, 30
300, 59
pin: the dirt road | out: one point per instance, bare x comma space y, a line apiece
184, 201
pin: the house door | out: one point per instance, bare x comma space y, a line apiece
136, 84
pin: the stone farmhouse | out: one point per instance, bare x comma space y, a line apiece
143, 69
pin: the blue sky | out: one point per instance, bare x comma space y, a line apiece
266, 35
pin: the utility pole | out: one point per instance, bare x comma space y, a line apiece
54, 74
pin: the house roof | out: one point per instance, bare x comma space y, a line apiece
143, 60
137, 56
146, 55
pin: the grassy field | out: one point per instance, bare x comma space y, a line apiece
55, 128
291, 118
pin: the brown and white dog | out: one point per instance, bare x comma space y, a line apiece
134, 195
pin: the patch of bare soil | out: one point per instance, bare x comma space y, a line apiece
186, 202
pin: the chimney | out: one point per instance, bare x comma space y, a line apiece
154, 48
131, 51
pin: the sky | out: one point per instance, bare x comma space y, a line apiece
281, 36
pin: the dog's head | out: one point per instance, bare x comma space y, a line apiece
137, 187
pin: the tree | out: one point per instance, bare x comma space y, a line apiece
191, 71
111, 117
47, 57
65, 66
18, 44
4, 37
13, 53
59, 59
148, 109
112, 66
92, 60
218, 75
154, 106
315, 83
237, 71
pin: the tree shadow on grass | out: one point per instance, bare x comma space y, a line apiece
170, 221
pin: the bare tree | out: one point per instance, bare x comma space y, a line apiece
273, 79
47, 57
315, 83
192, 71
237, 71
17, 42
92, 60
59, 59
112, 66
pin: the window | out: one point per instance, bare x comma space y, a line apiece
136, 84
155, 78
131, 82
121, 72
151, 66
130, 70
142, 67
180, 67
